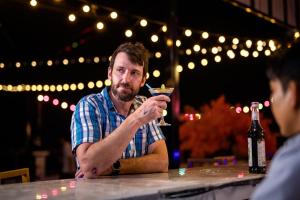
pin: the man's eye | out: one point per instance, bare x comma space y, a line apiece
135, 73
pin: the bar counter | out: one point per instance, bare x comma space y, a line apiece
207, 182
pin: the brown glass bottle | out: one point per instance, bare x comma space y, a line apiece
256, 143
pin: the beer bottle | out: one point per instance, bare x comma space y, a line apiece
256, 143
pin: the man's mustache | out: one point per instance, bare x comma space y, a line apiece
124, 85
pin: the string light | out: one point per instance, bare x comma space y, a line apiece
237, 109
72, 17
128, 33
33, 3
100, 25
86, 8
55, 102
114, 15
164, 28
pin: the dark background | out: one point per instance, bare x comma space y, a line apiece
43, 33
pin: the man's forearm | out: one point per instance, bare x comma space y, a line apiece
147, 164
102, 154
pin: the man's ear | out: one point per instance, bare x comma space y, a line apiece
292, 92
109, 73
143, 81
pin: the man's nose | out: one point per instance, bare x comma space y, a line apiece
126, 77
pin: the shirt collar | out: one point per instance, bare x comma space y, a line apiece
110, 105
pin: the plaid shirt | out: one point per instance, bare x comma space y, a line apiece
95, 117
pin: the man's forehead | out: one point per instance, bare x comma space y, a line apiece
123, 60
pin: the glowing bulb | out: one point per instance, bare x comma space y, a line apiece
99, 84
91, 84
157, 55
164, 28
33, 63
154, 38
59, 88
165, 112
221, 39
156, 73
73, 86
143, 23
235, 41
65, 61
178, 43
49, 63
46, 88
169, 42
46, 98
81, 59
230, 54
64, 105
18, 64
100, 25
86, 8
196, 47
80, 86
204, 62
255, 54
191, 65
66, 87
249, 43
188, 52
246, 109
188, 32
33, 3
40, 97
96, 60
72, 107
214, 50
267, 52
72, 17
218, 58
114, 15
179, 68
203, 51
205, 35
107, 82
128, 33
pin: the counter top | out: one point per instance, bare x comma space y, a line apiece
180, 182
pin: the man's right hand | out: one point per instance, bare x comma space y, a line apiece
152, 108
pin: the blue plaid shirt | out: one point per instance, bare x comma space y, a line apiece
95, 117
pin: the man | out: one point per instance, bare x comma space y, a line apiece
283, 178
114, 131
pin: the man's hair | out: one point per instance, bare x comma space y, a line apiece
286, 67
137, 54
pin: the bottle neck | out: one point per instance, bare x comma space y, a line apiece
255, 114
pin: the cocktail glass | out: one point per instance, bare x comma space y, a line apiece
161, 91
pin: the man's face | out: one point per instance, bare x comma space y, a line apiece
283, 107
126, 78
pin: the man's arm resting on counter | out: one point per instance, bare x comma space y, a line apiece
156, 161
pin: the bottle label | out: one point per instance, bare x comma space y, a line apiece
261, 151
250, 162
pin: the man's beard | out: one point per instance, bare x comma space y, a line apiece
124, 96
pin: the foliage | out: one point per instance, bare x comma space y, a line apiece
221, 131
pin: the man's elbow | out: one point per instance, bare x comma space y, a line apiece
164, 165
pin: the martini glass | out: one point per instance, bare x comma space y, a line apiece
161, 91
